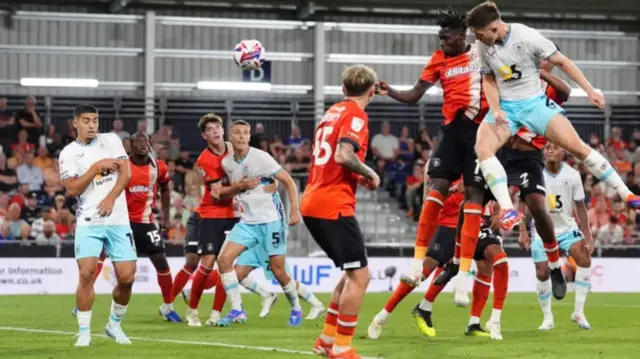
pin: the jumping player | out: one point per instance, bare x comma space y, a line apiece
510, 55
440, 251
523, 160
217, 217
95, 168
263, 221
329, 201
147, 176
564, 190
456, 66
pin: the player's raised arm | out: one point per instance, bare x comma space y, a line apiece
412, 95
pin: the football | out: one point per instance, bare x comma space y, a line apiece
249, 54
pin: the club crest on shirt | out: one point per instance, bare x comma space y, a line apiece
566, 184
357, 124
519, 47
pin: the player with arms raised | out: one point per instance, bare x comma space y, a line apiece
455, 65
510, 55
217, 218
329, 201
263, 221
147, 175
95, 168
564, 191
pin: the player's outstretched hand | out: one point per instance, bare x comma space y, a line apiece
295, 218
382, 88
524, 240
107, 164
249, 183
597, 99
106, 206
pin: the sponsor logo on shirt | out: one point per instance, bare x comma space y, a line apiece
140, 189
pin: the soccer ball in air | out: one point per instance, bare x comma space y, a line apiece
249, 54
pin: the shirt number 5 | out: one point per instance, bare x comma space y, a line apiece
322, 150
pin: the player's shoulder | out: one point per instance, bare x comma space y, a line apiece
437, 56
108, 137
70, 149
570, 172
522, 31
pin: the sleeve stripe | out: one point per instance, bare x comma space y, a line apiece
551, 54
122, 158
275, 172
356, 145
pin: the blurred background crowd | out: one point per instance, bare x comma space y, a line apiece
35, 210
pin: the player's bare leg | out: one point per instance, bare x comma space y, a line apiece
125, 273
543, 288
197, 288
277, 264
99, 266
562, 133
490, 139
160, 263
191, 261
85, 296
427, 225
228, 254
324, 343
544, 227
582, 256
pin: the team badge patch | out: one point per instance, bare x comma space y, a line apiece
357, 124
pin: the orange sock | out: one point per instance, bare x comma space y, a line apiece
181, 279
434, 290
470, 233
166, 285
402, 290
330, 323
553, 254
500, 280
344, 335
481, 287
212, 279
427, 223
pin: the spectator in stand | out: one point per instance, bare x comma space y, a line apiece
63, 223
406, 149
20, 198
619, 210
599, 214
616, 140
23, 143
13, 220
630, 233
424, 141
56, 146
184, 163
17, 159
29, 119
52, 183
43, 161
172, 190
258, 136
4, 205
5, 232
176, 177
633, 182
30, 174
58, 203
621, 162
173, 150
295, 139
29, 212
383, 147
192, 199
48, 235
49, 135
7, 126
71, 134
24, 235
118, 129
414, 186
264, 145
177, 207
611, 233
632, 151
277, 147
37, 226
596, 144
300, 159
8, 177
178, 231
163, 134
141, 126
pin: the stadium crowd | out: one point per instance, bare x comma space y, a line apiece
35, 209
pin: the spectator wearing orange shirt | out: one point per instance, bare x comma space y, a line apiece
616, 140
23, 143
414, 183
598, 215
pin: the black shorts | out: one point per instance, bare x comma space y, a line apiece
442, 245
341, 239
524, 170
455, 155
486, 239
212, 232
191, 240
147, 238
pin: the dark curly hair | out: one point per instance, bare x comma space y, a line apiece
452, 19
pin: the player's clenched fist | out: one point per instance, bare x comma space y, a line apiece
295, 218
107, 164
248, 183
382, 88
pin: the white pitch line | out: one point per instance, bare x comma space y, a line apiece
174, 341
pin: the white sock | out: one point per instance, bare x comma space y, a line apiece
456, 260
474, 320
117, 313
496, 178
425, 305
168, 307
305, 294
461, 282
495, 315
383, 315
254, 287
554, 265
544, 297
292, 295
232, 287
601, 169
583, 276
84, 321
